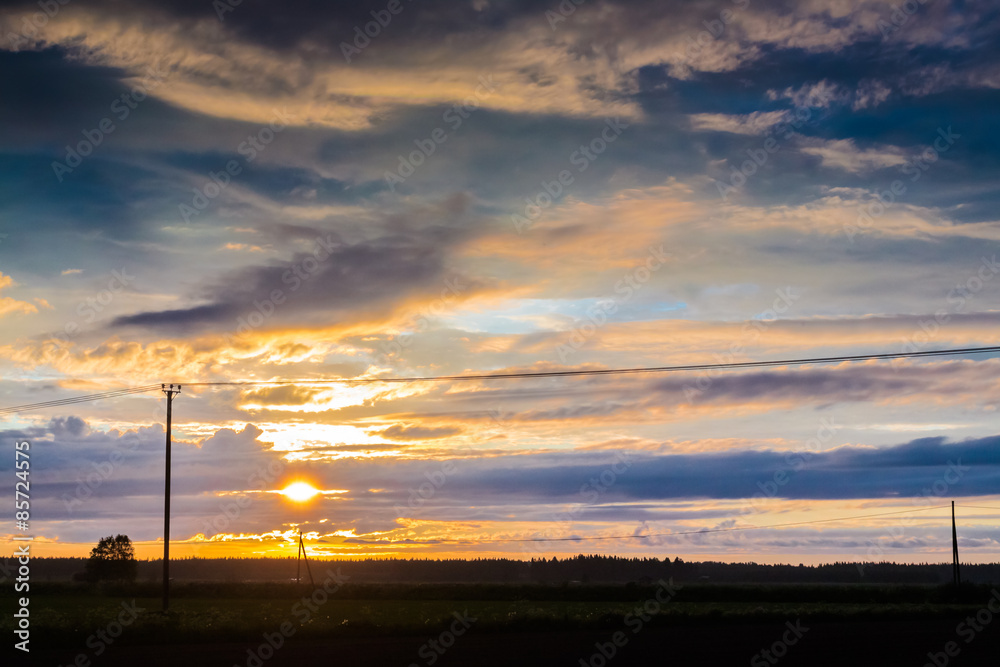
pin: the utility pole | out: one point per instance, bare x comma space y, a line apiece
170, 390
302, 555
956, 568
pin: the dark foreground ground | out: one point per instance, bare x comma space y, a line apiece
230, 625
883, 642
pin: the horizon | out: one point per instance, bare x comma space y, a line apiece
527, 559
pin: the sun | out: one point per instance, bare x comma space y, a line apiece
299, 491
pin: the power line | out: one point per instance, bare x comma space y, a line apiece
586, 538
689, 532
612, 537
614, 371
79, 399
525, 375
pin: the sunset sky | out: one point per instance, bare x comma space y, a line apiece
197, 192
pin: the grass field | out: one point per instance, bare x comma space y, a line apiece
69, 615
229, 625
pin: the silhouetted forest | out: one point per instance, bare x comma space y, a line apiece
580, 569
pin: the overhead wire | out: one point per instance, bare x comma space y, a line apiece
578, 538
585, 538
610, 371
79, 399
688, 532
510, 376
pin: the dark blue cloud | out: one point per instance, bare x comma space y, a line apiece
335, 282
911, 470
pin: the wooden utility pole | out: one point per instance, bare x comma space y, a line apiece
956, 568
170, 390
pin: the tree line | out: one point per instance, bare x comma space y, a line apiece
581, 569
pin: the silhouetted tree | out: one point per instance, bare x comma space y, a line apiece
112, 559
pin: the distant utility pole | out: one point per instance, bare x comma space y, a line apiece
302, 556
956, 568
170, 390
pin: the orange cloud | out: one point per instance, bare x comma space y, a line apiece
9, 305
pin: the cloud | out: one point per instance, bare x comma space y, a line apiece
870, 94
909, 470
527, 490
277, 397
9, 305
244, 68
844, 154
404, 432
73, 426
822, 94
214, 71
757, 122
341, 282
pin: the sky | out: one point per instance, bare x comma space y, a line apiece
199, 192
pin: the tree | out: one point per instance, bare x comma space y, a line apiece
113, 559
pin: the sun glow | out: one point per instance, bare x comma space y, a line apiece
300, 492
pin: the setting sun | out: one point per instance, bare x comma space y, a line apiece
299, 491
